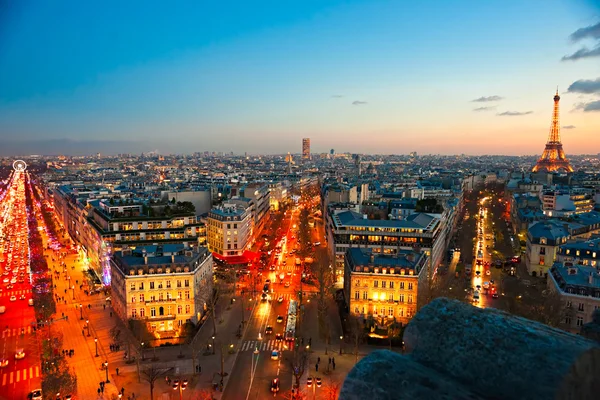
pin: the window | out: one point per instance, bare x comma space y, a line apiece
410, 299
160, 296
391, 311
133, 299
187, 283
179, 309
153, 312
401, 298
141, 285
580, 308
178, 283
169, 296
382, 310
357, 283
187, 308
401, 285
142, 312
542, 260
356, 295
132, 286
160, 285
151, 285
401, 312
375, 283
543, 240
391, 285
142, 298
579, 321
168, 284
133, 313
542, 251
179, 296
383, 284
187, 294
365, 295
410, 286
569, 304
391, 296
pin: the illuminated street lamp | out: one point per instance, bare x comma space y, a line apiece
73, 288
81, 311
106, 368
213, 345
87, 325
341, 338
96, 341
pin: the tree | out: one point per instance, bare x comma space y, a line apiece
222, 287
139, 330
151, 374
298, 363
550, 309
59, 380
331, 389
326, 289
356, 331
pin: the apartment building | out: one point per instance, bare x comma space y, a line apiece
229, 229
579, 289
346, 229
382, 286
165, 286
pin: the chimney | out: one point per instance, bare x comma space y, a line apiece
372, 258
591, 278
172, 258
145, 259
365, 216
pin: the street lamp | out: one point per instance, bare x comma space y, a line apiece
81, 312
341, 338
213, 345
142, 350
106, 368
87, 325
96, 341
73, 288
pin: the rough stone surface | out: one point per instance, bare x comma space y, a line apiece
385, 375
481, 353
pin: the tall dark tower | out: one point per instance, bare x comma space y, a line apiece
553, 158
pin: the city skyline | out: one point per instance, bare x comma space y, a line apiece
461, 78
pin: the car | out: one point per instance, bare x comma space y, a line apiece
13, 298
35, 394
287, 285
317, 243
268, 281
3, 362
280, 299
488, 272
6, 280
269, 330
495, 295
30, 302
275, 355
318, 381
478, 273
309, 381
274, 385
22, 297
279, 319
279, 337
20, 354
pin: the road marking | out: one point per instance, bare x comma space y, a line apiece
18, 376
25, 374
37, 371
3, 379
11, 378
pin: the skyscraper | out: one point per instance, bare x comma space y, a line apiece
306, 149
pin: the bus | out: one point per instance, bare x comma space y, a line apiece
290, 327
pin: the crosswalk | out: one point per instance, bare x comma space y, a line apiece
15, 293
8, 378
6, 333
262, 345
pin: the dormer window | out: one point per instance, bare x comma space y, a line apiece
140, 272
543, 240
159, 271
151, 271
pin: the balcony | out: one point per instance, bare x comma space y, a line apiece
171, 300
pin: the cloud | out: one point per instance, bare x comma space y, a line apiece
591, 106
583, 53
592, 31
585, 86
337, 96
358, 103
514, 113
478, 109
486, 99
569, 127
589, 32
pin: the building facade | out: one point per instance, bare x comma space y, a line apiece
383, 287
164, 286
229, 229
578, 287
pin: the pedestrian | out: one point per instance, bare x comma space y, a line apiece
122, 390
82, 332
110, 347
317, 367
318, 360
329, 360
111, 314
104, 305
333, 365
98, 391
117, 371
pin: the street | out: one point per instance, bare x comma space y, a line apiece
19, 357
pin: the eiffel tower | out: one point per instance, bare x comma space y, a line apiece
553, 158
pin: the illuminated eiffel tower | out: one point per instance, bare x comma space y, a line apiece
553, 158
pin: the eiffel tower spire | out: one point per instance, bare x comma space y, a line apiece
553, 158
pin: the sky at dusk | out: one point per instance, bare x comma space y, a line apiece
386, 77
